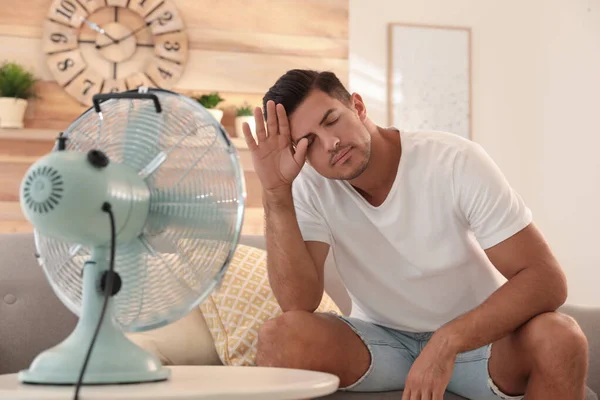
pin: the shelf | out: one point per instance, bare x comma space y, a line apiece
28, 134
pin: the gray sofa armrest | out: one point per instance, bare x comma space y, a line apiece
32, 318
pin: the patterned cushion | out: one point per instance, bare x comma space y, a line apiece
235, 312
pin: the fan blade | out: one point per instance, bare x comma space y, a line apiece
156, 280
141, 135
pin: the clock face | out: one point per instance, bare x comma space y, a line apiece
104, 46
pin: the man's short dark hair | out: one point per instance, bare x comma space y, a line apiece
293, 87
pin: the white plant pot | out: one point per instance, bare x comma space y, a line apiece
216, 113
12, 112
239, 121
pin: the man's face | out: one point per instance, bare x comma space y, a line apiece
339, 144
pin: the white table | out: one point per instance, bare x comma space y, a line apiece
192, 382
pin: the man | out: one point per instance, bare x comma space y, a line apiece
417, 222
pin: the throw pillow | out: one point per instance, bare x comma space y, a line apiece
245, 301
184, 342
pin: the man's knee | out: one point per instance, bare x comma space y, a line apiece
277, 337
555, 340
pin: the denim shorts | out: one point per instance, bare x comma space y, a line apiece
393, 353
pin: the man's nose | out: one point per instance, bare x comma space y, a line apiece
332, 144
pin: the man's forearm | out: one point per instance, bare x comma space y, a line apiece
527, 294
293, 275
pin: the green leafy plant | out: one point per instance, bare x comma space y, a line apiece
244, 111
209, 100
16, 81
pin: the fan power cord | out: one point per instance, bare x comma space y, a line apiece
106, 207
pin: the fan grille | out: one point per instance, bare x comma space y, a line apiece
196, 208
43, 189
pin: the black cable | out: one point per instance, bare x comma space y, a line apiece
106, 207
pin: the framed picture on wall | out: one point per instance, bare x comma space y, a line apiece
429, 78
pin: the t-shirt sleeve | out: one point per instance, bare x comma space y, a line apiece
493, 210
312, 225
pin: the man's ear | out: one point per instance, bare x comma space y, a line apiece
358, 104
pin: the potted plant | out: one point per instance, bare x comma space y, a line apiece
244, 114
16, 87
210, 102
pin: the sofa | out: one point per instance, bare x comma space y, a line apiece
32, 319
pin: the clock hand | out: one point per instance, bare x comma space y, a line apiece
98, 29
147, 24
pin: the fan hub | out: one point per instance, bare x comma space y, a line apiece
63, 194
43, 189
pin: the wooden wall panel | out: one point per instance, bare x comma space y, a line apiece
10, 211
222, 40
24, 147
248, 72
23, 14
10, 226
229, 71
11, 175
236, 47
268, 43
327, 18
54, 109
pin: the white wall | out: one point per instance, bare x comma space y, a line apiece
536, 106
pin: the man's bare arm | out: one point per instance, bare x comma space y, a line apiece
536, 284
295, 267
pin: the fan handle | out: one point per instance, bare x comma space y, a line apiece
133, 94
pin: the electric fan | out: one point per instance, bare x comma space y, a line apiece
143, 192
137, 213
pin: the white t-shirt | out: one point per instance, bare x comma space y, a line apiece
416, 262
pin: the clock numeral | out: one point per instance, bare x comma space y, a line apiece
172, 47
114, 86
88, 85
136, 80
164, 73
85, 84
58, 38
165, 18
67, 8
66, 64
69, 12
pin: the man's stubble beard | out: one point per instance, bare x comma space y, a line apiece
366, 158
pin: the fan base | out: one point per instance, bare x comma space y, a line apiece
54, 379
60, 368
114, 359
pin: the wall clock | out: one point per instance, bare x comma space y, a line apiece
107, 46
